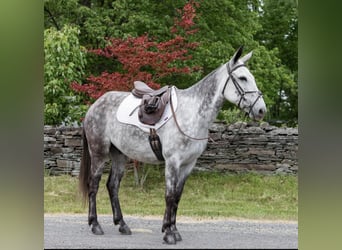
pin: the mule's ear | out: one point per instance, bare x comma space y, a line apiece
246, 57
237, 54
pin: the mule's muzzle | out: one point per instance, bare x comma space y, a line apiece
257, 114
257, 109
261, 114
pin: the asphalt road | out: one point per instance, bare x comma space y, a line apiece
72, 231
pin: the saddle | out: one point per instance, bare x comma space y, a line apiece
153, 102
151, 109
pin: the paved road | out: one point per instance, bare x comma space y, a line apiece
72, 231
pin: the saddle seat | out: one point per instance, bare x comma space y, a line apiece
141, 89
153, 102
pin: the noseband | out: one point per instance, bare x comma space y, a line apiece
238, 87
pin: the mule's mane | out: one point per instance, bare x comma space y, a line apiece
207, 95
199, 84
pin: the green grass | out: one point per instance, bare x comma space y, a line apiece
210, 195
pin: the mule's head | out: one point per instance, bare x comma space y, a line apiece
240, 87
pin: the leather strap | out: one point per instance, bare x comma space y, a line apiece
156, 144
180, 130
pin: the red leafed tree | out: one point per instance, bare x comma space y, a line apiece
144, 59
186, 21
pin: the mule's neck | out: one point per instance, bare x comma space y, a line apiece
208, 93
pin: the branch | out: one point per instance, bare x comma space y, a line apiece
52, 18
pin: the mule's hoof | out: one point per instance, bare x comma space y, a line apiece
96, 229
169, 238
178, 237
125, 230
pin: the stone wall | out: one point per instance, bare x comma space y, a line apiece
240, 147
245, 147
62, 150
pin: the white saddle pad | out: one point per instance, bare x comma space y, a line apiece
130, 104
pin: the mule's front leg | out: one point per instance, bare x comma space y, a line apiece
175, 179
179, 190
168, 227
173, 193
174, 208
169, 223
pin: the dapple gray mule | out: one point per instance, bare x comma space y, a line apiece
104, 138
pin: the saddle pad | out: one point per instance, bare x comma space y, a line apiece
130, 104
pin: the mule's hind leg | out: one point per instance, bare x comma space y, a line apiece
113, 185
94, 180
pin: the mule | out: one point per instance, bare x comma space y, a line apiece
183, 139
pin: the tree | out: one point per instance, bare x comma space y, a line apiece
64, 63
121, 19
220, 26
142, 58
279, 20
223, 27
272, 78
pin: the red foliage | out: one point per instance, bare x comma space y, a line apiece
186, 21
143, 59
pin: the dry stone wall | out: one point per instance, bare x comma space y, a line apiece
240, 147
247, 147
62, 150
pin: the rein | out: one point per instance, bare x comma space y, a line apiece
180, 130
193, 138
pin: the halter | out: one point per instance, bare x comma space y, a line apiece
238, 87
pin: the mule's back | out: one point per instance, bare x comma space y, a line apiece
100, 114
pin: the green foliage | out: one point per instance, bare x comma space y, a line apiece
279, 20
276, 83
231, 116
269, 28
64, 63
223, 27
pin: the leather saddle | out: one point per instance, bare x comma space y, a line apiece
153, 102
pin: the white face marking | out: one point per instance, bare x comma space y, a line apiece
251, 102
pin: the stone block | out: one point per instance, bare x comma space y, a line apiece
73, 142
48, 162
49, 130
217, 127
261, 151
49, 139
60, 150
74, 132
67, 164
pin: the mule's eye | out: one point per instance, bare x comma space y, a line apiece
243, 78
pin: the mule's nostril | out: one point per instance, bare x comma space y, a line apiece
261, 111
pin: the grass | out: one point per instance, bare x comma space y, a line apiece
209, 195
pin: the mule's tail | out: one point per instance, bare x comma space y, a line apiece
84, 169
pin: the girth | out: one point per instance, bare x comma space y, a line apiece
156, 144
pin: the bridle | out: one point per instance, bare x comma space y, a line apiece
238, 87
